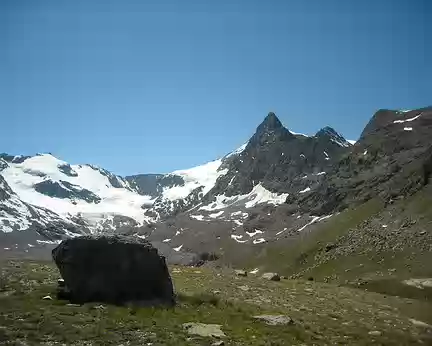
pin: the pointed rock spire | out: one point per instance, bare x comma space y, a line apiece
330, 134
270, 123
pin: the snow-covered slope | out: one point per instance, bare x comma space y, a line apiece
93, 196
204, 176
254, 173
86, 191
16, 215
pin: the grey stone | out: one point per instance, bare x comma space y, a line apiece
202, 329
114, 269
239, 272
275, 320
375, 333
218, 343
271, 276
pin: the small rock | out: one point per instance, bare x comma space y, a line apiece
244, 288
202, 329
375, 333
47, 298
218, 343
275, 320
420, 323
61, 283
216, 292
239, 272
271, 276
422, 232
283, 277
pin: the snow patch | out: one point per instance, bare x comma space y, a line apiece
52, 242
297, 134
280, 232
257, 196
215, 215
238, 151
305, 190
254, 233
237, 238
259, 241
407, 120
197, 217
178, 248
204, 176
314, 220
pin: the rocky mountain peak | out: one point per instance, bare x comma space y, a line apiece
329, 134
270, 123
327, 130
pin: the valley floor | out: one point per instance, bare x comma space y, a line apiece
323, 314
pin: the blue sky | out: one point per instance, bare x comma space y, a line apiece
153, 86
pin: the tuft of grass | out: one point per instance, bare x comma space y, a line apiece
198, 299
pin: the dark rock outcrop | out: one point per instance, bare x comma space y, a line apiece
114, 269
67, 169
64, 189
392, 159
13, 158
3, 164
280, 160
153, 184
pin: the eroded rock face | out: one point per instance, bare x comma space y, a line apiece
391, 160
114, 269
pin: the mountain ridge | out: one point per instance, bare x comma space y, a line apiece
276, 185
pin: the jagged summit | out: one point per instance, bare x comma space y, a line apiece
270, 130
271, 122
331, 134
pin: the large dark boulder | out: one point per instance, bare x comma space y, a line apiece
113, 269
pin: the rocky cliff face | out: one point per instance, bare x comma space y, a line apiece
280, 160
391, 160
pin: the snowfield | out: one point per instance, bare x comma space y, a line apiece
22, 177
66, 189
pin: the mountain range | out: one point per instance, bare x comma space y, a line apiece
276, 190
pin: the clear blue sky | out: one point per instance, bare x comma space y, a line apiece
153, 86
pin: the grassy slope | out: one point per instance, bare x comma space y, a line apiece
323, 314
292, 259
382, 269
